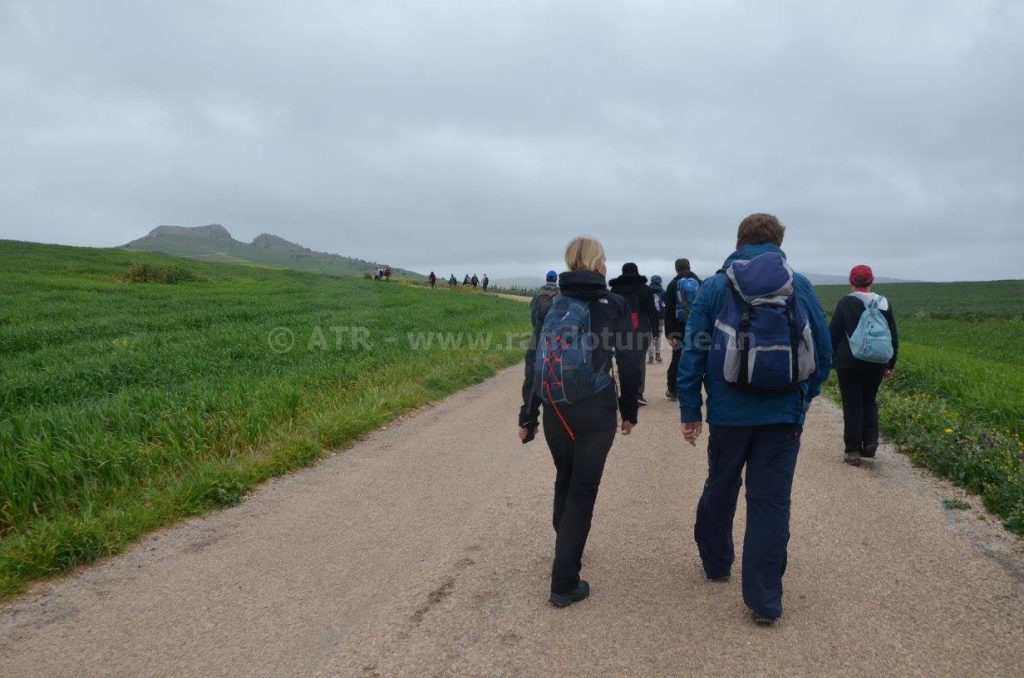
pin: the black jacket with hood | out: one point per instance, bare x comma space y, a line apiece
610, 322
639, 297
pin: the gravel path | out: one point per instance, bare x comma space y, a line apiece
426, 549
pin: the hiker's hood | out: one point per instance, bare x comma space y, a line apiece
586, 285
628, 282
550, 286
760, 271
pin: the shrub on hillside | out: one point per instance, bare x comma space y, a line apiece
165, 275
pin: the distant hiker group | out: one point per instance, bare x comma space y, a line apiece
468, 281
384, 273
753, 337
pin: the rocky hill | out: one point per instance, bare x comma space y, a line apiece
213, 242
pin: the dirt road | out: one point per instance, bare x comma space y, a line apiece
426, 550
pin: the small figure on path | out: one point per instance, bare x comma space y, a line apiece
865, 344
759, 390
432, 279
654, 352
679, 297
485, 281
541, 302
639, 297
573, 381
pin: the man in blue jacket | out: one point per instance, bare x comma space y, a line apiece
760, 430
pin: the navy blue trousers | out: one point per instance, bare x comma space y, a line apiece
769, 454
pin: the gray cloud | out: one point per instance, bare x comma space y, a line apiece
482, 136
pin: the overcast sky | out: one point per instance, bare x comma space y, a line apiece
480, 136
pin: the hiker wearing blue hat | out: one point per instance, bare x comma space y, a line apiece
542, 300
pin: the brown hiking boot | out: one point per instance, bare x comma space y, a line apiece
852, 458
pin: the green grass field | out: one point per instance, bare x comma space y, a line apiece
956, 404
126, 406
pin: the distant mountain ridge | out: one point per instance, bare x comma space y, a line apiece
213, 242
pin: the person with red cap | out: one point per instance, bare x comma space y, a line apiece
864, 347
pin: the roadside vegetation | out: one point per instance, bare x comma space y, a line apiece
125, 406
956, 402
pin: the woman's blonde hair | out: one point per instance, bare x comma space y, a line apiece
584, 254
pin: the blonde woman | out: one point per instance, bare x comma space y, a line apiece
568, 369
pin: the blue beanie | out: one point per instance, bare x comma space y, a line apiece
552, 276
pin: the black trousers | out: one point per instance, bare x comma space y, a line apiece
673, 368
579, 465
859, 389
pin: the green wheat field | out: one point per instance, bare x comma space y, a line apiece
125, 406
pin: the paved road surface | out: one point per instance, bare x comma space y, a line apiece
425, 550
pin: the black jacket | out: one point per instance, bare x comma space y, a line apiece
639, 296
610, 322
673, 328
844, 321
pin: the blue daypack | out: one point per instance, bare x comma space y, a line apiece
762, 340
564, 370
686, 294
871, 341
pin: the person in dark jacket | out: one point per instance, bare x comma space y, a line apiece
580, 434
674, 328
859, 380
654, 352
643, 313
759, 431
542, 300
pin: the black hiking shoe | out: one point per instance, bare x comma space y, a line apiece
579, 593
869, 451
671, 395
763, 620
722, 579
852, 458
641, 401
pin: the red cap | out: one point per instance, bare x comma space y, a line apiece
861, 275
